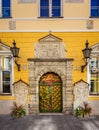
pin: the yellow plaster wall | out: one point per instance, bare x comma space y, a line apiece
48, 24
24, 9
74, 43
93, 98
6, 97
25, 15
77, 9
32, 9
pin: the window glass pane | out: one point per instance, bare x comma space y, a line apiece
92, 86
7, 64
95, 8
5, 8
6, 81
94, 2
6, 3
44, 8
56, 7
44, 2
94, 70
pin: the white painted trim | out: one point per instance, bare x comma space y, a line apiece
50, 30
93, 96
8, 54
64, 18
0, 8
12, 76
50, 8
88, 73
38, 9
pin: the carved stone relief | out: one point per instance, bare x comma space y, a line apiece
50, 47
21, 93
81, 92
12, 25
90, 24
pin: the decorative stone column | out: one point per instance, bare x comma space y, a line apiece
21, 93
81, 92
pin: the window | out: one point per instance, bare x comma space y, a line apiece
5, 11
94, 75
5, 74
6, 69
50, 8
94, 8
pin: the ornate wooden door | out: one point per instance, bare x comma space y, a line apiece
50, 93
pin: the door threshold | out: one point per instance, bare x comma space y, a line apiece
51, 113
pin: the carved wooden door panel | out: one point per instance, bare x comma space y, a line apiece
50, 93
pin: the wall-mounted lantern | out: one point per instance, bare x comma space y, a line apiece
86, 53
15, 52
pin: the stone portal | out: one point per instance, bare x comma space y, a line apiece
50, 57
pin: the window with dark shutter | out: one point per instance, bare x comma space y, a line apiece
94, 8
6, 9
50, 8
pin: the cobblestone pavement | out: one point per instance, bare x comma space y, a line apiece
49, 122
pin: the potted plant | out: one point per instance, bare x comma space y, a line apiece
18, 111
87, 109
84, 110
79, 112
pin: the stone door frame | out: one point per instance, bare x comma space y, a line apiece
63, 68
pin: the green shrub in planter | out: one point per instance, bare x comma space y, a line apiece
83, 110
79, 111
18, 111
87, 109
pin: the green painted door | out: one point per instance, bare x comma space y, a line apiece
50, 93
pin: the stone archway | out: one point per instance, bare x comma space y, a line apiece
50, 56
50, 93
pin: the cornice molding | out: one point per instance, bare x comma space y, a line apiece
65, 30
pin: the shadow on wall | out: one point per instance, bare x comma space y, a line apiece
5, 107
95, 106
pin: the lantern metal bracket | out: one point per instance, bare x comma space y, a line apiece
18, 65
86, 53
83, 66
15, 52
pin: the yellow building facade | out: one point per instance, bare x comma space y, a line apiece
27, 24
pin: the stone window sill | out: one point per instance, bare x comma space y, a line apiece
5, 94
91, 94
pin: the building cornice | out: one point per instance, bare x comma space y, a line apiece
65, 30
50, 18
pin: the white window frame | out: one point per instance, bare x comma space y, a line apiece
4, 54
94, 54
0, 8
50, 7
